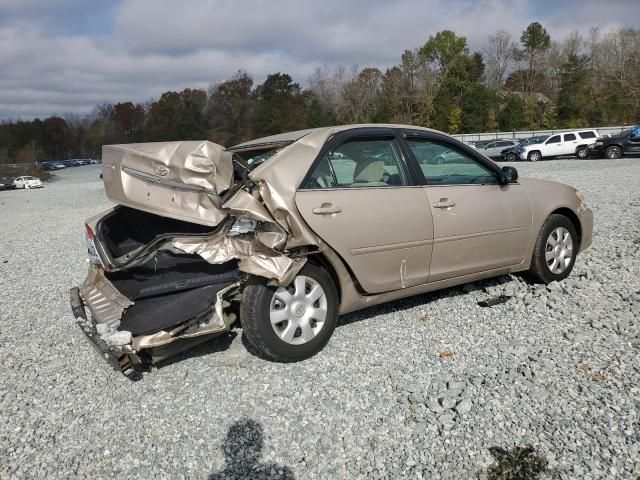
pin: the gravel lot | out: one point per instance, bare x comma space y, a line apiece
555, 369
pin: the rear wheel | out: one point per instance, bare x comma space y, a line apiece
582, 153
534, 156
555, 251
613, 152
293, 323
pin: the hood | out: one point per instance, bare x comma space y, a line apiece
181, 180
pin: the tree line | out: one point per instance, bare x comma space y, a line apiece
526, 84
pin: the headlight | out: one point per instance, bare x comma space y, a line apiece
582, 197
598, 144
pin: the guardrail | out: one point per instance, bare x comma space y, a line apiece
470, 137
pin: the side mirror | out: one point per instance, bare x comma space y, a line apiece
508, 175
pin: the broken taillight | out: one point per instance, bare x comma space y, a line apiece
92, 252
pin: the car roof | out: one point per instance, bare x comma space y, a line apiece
290, 137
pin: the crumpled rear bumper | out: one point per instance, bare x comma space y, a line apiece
126, 362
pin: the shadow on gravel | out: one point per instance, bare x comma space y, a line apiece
422, 299
208, 347
521, 463
242, 452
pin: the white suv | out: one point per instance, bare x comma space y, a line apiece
566, 143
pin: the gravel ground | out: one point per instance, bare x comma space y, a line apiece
547, 383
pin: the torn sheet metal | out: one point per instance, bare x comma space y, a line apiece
254, 257
104, 300
181, 180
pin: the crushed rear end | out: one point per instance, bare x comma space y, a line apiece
167, 264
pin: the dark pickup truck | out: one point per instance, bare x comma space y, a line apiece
626, 143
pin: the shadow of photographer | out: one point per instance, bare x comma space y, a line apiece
242, 451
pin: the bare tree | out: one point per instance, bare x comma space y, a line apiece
328, 83
499, 54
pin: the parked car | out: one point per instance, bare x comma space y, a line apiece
627, 143
27, 182
510, 154
562, 144
494, 149
335, 219
50, 166
6, 183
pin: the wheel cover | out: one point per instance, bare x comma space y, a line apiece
613, 153
559, 250
298, 312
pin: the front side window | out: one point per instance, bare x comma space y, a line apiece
554, 139
569, 137
443, 164
357, 164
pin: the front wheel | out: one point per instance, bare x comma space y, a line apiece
511, 157
555, 251
534, 156
293, 323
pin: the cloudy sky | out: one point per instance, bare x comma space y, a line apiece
65, 56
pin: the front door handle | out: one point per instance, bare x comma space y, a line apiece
444, 203
326, 209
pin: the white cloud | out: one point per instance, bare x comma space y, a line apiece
157, 45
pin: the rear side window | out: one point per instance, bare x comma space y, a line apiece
585, 135
569, 137
442, 164
554, 139
358, 164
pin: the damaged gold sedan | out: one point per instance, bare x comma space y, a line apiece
287, 232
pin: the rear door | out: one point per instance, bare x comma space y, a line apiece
361, 198
479, 225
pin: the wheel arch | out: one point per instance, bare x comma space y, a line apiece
571, 215
321, 260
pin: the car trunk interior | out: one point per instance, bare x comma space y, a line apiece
169, 288
126, 229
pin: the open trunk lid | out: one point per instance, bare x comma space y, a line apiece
181, 180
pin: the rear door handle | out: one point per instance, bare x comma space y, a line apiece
444, 203
326, 209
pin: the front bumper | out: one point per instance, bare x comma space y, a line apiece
586, 221
126, 362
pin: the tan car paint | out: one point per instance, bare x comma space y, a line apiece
392, 260
175, 179
384, 234
487, 226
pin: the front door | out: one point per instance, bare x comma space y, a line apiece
360, 199
552, 147
479, 225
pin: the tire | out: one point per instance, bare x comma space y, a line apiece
582, 153
511, 157
534, 156
546, 256
613, 152
260, 301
